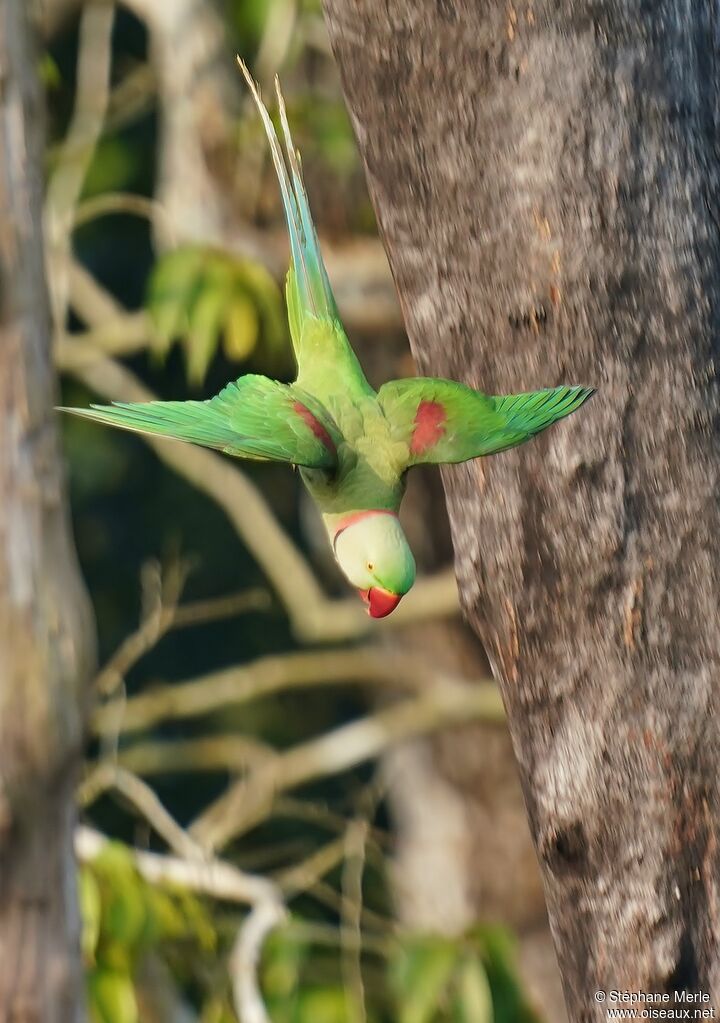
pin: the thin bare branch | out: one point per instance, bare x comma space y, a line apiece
249, 801
120, 202
214, 609
216, 878
233, 753
304, 875
328, 896
263, 677
109, 776
352, 905
264, 918
91, 101
122, 336
161, 593
379, 840
161, 614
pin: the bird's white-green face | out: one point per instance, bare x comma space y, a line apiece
372, 551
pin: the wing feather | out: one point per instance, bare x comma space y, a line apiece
253, 417
444, 421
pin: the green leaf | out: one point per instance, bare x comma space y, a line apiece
90, 911
170, 292
122, 891
241, 329
323, 1005
199, 295
168, 922
111, 996
198, 921
269, 301
422, 976
496, 947
473, 1003
206, 321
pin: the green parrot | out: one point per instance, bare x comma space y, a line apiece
352, 445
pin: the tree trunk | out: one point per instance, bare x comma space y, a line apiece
45, 623
546, 180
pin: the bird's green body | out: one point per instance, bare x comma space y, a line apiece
353, 445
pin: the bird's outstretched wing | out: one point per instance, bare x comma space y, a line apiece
443, 421
253, 417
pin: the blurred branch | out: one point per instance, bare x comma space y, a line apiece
131, 97
265, 916
216, 878
161, 593
109, 776
233, 753
304, 875
123, 336
263, 677
162, 613
306, 878
248, 801
352, 905
124, 202
329, 897
319, 814
91, 101
198, 98
278, 31
200, 612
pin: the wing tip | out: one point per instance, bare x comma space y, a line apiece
583, 394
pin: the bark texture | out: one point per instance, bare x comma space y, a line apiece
546, 180
45, 624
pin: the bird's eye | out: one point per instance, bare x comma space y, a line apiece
370, 566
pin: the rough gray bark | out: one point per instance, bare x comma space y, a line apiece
546, 181
45, 625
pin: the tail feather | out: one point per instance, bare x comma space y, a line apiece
307, 274
313, 257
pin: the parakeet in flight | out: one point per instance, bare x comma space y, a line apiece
352, 445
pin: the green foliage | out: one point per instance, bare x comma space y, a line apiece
422, 973
111, 996
322, 1005
204, 297
124, 918
466, 980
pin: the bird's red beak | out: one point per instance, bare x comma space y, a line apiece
380, 602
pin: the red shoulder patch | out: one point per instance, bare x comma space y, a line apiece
429, 426
315, 425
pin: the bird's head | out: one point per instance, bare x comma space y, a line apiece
373, 553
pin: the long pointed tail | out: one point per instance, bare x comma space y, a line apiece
308, 284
